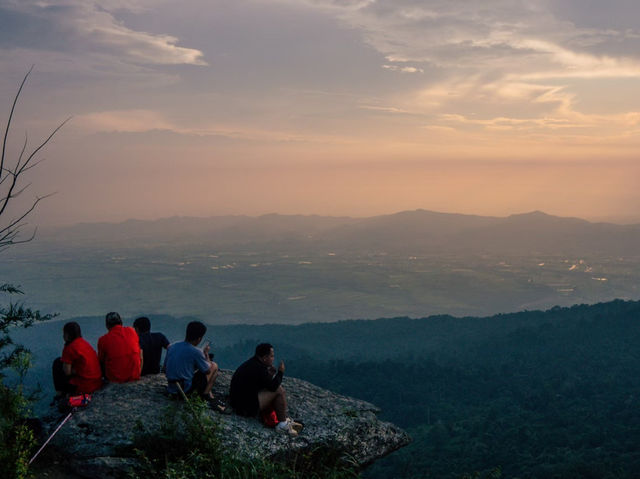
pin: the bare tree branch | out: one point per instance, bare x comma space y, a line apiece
13, 107
9, 232
42, 145
12, 174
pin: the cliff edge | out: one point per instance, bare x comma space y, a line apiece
97, 441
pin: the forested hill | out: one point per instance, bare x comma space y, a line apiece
437, 336
535, 394
552, 394
539, 394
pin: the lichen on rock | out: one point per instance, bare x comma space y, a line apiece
98, 440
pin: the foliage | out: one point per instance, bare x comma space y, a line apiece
15, 315
16, 437
555, 396
188, 447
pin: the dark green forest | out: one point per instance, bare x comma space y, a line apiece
552, 394
535, 394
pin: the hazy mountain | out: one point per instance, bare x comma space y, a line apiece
411, 232
296, 269
217, 230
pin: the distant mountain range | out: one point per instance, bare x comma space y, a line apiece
410, 232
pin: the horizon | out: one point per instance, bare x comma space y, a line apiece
616, 221
361, 108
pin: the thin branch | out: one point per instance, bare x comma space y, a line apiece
13, 107
35, 163
12, 174
42, 145
8, 196
13, 224
24, 148
17, 193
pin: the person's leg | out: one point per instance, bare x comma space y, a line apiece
60, 380
198, 384
211, 379
276, 399
203, 383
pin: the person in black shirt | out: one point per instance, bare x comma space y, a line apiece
151, 345
256, 387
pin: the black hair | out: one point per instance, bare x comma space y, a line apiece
112, 319
142, 324
72, 331
195, 330
263, 349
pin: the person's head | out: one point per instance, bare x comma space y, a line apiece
71, 331
195, 332
112, 319
142, 324
264, 352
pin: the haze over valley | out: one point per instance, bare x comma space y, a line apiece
295, 269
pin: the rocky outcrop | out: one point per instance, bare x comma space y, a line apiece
97, 440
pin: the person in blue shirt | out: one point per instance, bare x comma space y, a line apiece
189, 366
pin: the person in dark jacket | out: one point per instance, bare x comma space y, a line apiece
256, 387
151, 345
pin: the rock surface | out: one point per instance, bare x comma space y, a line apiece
97, 440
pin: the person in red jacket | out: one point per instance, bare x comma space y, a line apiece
78, 370
119, 351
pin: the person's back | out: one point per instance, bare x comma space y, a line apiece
151, 345
190, 367
78, 369
83, 359
119, 351
247, 381
182, 360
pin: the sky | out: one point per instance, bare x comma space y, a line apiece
331, 107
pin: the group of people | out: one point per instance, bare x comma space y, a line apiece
127, 353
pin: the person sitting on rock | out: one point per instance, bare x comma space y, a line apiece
256, 388
119, 351
190, 367
77, 371
151, 345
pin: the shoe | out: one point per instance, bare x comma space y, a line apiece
286, 426
296, 425
217, 404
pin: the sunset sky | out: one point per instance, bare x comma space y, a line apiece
332, 107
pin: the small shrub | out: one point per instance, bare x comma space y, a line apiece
16, 437
188, 447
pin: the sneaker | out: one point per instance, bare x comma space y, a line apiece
286, 426
296, 425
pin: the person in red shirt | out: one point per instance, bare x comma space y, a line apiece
78, 370
119, 351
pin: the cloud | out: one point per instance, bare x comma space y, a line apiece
124, 121
473, 44
403, 69
143, 121
90, 27
504, 67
